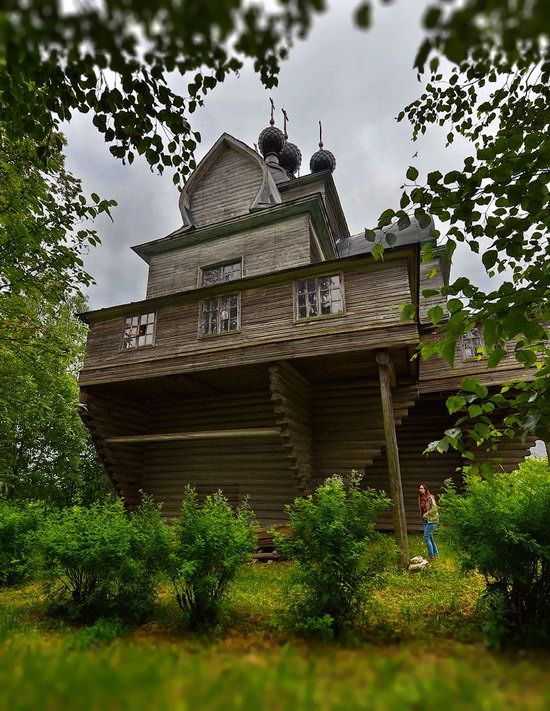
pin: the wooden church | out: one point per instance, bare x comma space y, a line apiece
269, 352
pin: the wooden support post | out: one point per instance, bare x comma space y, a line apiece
385, 372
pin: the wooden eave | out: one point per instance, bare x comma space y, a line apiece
410, 253
312, 205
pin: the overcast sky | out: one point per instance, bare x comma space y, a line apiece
355, 82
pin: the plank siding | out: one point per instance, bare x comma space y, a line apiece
293, 192
227, 190
275, 247
268, 329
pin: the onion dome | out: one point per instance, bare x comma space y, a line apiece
271, 140
290, 158
322, 159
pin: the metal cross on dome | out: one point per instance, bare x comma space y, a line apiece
285, 121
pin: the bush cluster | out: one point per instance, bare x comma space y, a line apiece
337, 551
211, 540
17, 522
500, 526
100, 561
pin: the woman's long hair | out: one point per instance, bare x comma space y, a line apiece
427, 493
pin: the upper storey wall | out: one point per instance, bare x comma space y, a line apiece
269, 329
227, 190
266, 249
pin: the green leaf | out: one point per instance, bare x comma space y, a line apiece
386, 217
431, 18
474, 386
475, 411
435, 314
412, 173
403, 222
370, 235
455, 403
495, 357
408, 312
378, 251
363, 16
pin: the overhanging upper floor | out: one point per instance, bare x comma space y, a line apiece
283, 314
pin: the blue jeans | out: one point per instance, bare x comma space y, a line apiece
429, 529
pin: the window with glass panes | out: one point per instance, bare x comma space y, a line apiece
319, 297
471, 341
220, 315
139, 331
221, 273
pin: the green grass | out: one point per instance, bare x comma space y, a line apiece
419, 647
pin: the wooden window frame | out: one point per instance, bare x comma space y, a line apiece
320, 317
220, 333
130, 349
477, 356
218, 265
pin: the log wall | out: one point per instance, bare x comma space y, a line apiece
348, 424
108, 415
258, 468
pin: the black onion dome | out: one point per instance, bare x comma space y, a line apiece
271, 140
322, 160
290, 158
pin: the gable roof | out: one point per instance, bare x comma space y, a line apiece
267, 195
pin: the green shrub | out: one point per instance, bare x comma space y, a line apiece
500, 526
104, 631
211, 540
338, 553
149, 549
99, 561
17, 521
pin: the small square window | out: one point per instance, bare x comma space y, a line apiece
139, 331
319, 297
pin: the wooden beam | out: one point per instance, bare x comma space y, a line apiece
206, 434
392, 453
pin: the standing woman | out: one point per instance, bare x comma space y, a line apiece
430, 518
